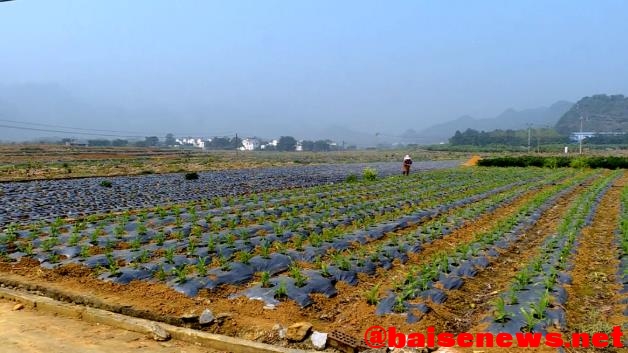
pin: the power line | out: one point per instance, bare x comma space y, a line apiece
67, 127
67, 132
99, 131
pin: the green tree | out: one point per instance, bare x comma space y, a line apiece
151, 141
170, 140
286, 143
119, 143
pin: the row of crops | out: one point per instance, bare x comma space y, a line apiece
47, 199
288, 244
622, 242
535, 299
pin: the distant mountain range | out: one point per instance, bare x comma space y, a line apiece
509, 119
600, 113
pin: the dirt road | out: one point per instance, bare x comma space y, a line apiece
30, 331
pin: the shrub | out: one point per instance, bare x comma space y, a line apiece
550, 162
611, 162
106, 184
191, 176
369, 174
579, 163
351, 178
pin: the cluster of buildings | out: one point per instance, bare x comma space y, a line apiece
579, 136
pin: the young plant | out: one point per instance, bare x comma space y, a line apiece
181, 273
191, 246
160, 238
223, 261
119, 230
265, 278
84, 253
230, 240
342, 262
114, 269
144, 257
136, 244
500, 314
281, 291
299, 278
244, 257
74, 239
160, 274
201, 266
265, 250
372, 295
399, 306
529, 318
54, 258
211, 244
298, 243
540, 306
512, 297
142, 229
169, 255
325, 269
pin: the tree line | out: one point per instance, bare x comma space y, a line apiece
284, 143
471, 137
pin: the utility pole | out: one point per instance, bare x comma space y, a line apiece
538, 140
236, 145
580, 137
529, 126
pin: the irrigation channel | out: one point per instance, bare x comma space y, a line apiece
497, 249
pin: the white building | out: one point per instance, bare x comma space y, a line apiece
579, 136
191, 141
272, 143
250, 144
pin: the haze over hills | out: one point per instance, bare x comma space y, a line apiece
601, 113
52, 104
509, 119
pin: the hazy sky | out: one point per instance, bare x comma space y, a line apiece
273, 67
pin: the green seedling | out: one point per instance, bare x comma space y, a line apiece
372, 295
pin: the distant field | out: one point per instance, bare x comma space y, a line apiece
459, 249
37, 162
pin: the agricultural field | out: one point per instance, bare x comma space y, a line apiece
459, 249
49, 199
44, 162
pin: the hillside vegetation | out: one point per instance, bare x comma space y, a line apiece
601, 113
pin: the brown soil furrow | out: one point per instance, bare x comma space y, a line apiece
468, 305
247, 317
592, 304
371, 246
349, 309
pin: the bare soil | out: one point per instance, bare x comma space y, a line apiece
594, 294
31, 331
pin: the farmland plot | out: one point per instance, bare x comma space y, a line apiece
47, 199
458, 249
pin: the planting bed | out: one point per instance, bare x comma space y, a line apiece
495, 249
47, 199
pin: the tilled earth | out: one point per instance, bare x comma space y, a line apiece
47, 199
